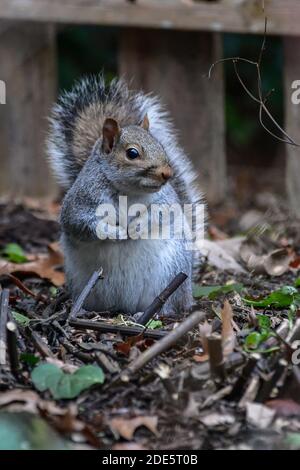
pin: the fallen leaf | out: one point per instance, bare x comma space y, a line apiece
223, 254
284, 407
128, 446
275, 263
62, 385
42, 265
259, 415
228, 335
217, 419
127, 427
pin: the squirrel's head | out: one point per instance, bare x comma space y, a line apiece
137, 160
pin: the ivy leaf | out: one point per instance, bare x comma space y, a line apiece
253, 340
29, 359
20, 319
14, 253
153, 324
64, 385
214, 291
280, 298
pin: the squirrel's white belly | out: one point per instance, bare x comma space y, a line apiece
135, 271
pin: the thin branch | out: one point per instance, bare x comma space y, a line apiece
163, 345
161, 299
4, 303
121, 329
260, 100
11, 329
86, 291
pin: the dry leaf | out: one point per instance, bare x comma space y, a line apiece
42, 265
127, 427
222, 254
259, 415
274, 263
284, 407
217, 419
228, 335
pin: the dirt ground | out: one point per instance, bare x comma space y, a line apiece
231, 382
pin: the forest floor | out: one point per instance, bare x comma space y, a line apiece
231, 382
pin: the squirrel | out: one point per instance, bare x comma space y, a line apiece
105, 142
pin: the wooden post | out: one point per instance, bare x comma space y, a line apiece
292, 121
28, 68
174, 65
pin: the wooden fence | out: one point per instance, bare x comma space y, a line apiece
166, 46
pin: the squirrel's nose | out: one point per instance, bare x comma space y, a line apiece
165, 173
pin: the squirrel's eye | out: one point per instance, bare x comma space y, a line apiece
132, 153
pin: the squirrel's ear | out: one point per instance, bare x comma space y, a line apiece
111, 132
145, 123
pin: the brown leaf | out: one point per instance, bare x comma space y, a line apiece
259, 260
42, 265
284, 407
127, 427
228, 335
128, 446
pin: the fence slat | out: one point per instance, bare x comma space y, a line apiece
292, 121
174, 65
28, 69
226, 15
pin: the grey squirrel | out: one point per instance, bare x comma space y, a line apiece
107, 142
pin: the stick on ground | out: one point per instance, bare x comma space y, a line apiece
4, 302
122, 329
12, 349
84, 294
164, 344
161, 299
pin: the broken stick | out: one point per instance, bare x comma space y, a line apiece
12, 349
84, 294
111, 328
4, 302
161, 299
163, 345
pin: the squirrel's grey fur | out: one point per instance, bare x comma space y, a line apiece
135, 271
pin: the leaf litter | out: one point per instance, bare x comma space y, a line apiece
233, 374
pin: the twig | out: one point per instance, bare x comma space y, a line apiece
11, 329
122, 329
163, 345
251, 391
39, 343
266, 390
261, 100
216, 358
161, 299
84, 357
84, 294
247, 371
4, 302
25, 289
108, 364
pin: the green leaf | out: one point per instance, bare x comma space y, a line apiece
46, 376
297, 282
264, 322
29, 359
153, 324
214, 291
63, 385
253, 340
14, 253
281, 298
20, 319
293, 440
